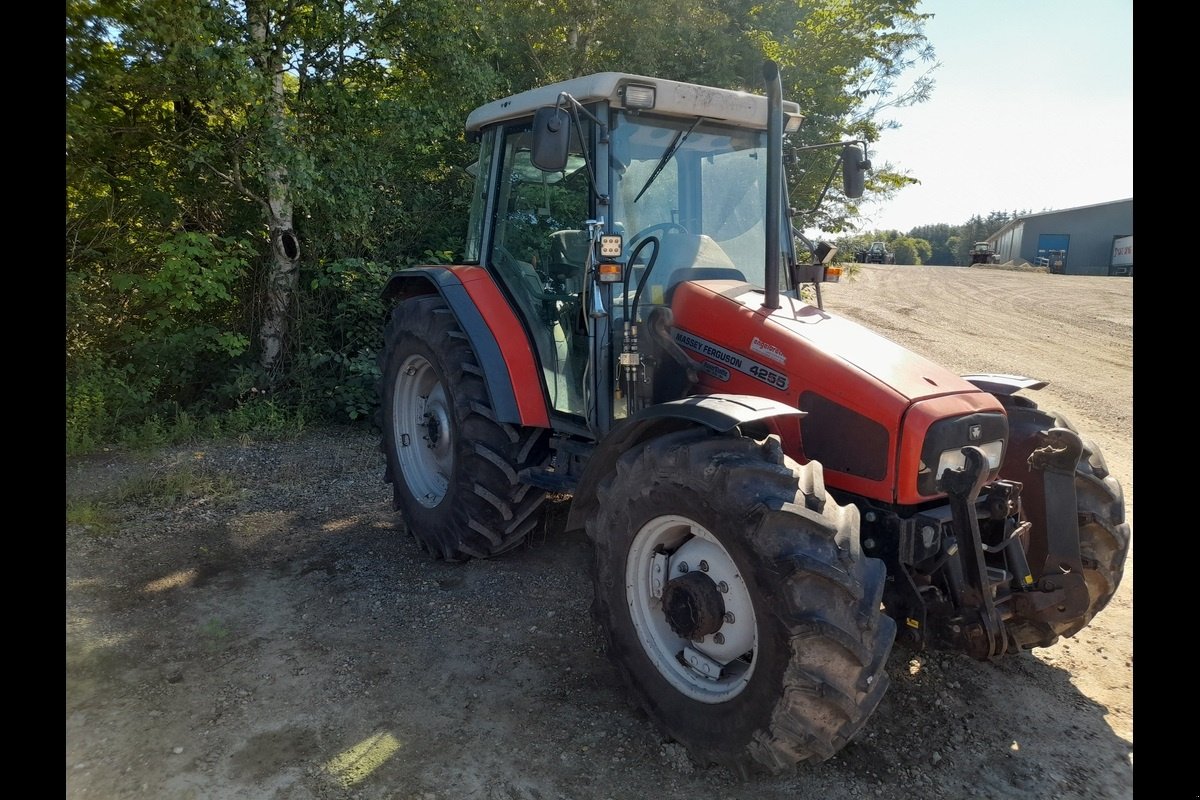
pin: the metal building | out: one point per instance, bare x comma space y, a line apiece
1074, 241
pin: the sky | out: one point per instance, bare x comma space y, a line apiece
1032, 110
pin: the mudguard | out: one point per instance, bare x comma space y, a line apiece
997, 384
719, 412
510, 367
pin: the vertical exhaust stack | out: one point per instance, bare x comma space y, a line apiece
774, 180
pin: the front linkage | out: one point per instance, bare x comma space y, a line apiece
959, 575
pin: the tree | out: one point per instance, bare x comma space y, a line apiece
937, 236
908, 250
243, 174
952, 247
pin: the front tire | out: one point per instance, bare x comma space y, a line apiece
735, 601
1104, 534
453, 467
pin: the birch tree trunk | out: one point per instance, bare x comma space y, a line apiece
285, 247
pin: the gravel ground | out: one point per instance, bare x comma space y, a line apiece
247, 619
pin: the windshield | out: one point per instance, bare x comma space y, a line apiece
705, 205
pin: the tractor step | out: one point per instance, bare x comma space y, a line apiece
548, 479
563, 472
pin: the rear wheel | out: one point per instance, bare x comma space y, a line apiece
452, 466
735, 601
1103, 532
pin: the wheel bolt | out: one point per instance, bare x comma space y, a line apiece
719, 638
704, 566
729, 617
683, 567
723, 586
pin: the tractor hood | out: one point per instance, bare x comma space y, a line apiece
869, 403
802, 341
908, 374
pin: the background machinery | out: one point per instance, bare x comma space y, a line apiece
878, 253
981, 253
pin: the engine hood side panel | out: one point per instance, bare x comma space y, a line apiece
810, 358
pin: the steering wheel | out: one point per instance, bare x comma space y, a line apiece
661, 226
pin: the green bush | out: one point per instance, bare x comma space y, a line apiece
338, 335
178, 365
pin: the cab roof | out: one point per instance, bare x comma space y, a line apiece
671, 97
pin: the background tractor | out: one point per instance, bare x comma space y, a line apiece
878, 253
772, 491
981, 253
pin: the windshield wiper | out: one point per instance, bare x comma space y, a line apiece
676, 143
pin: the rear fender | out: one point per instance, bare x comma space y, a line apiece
510, 368
720, 413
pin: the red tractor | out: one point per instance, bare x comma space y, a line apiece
772, 491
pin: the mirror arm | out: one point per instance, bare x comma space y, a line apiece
827, 145
574, 107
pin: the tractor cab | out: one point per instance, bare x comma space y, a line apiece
597, 197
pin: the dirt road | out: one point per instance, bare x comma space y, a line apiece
245, 621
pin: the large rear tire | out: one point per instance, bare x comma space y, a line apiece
452, 466
1103, 532
734, 599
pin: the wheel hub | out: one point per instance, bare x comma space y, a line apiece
693, 605
423, 433
433, 429
691, 608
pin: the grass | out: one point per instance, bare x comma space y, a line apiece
214, 634
91, 515
255, 419
174, 485
850, 269
164, 488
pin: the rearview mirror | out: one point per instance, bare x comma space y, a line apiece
854, 171
551, 139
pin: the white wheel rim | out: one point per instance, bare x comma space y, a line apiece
689, 544
421, 430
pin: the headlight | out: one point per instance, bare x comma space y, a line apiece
954, 458
946, 438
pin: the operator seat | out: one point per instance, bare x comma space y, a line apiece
687, 257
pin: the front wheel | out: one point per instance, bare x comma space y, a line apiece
1104, 534
733, 597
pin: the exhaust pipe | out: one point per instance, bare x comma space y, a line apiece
774, 180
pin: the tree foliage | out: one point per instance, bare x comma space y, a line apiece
197, 131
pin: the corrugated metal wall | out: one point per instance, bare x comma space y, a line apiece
1091, 231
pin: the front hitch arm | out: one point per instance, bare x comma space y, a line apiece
987, 638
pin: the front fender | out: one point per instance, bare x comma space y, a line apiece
720, 413
1003, 385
